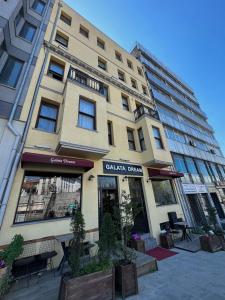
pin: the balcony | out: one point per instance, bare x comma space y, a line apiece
147, 111
86, 80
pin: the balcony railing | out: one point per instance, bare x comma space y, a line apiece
86, 80
145, 110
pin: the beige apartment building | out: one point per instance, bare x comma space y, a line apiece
94, 132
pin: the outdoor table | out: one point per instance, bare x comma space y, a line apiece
183, 225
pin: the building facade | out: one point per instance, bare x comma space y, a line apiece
94, 132
194, 149
22, 29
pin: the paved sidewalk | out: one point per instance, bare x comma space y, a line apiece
186, 276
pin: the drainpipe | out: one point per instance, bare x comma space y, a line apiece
14, 159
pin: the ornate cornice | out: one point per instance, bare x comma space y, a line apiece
112, 80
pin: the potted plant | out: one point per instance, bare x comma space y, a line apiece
93, 279
210, 241
7, 257
126, 272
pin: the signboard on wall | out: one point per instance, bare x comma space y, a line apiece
194, 188
121, 168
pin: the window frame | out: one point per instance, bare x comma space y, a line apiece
130, 64
84, 31
22, 28
20, 71
118, 56
172, 189
40, 1
144, 89
141, 139
133, 83
65, 18
131, 141
87, 115
158, 139
126, 105
66, 38
52, 73
102, 61
100, 43
123, 75
110, 133
140, 72
43, 102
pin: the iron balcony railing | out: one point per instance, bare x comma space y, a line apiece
145, 110
85, 79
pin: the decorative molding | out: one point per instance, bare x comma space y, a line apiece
71, 146
111, 80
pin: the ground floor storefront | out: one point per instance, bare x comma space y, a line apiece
47, 189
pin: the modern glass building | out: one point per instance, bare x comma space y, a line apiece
195, 151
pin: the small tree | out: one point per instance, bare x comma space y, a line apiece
76, 245
108, 239
125, 216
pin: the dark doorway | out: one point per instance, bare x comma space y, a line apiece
197, 210
136, 192
108, 195
218, 206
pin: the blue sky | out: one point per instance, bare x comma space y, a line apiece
187, 36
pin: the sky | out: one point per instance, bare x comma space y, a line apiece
187, 36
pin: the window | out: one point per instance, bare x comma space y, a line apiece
139, 71
163, 192
38, 6
118, 56
105, 92
144, 89
181, 167
100, 43
62, 39
192, 170
130, 136
157, 137
84, 31
65, 18
102, 63
110, 133
19, 17
11, 71
45, 196
203, 170
125, 103
214, 171
86, 114
56, 70
133, 83
121, 75
141, 139
27, 32
129, 64
47, 117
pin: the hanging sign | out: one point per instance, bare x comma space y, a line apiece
120, 168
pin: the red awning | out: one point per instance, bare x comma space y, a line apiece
163, 174
63, 161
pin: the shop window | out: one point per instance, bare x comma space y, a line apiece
47, 117
129, 64
131, 141
102, 63
56, 70
38, 6
84, 31
118, 56
141, 139
110, 132
87, 114
121, 75
65, 18
163, 192
45, 196
100, 43
125, 103
11, 71
62, 39
157, 137
133, 83
27, 32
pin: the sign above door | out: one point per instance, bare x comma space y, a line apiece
121, 168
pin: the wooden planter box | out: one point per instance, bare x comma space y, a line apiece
166, 240
210, 243
126, 280
95, 286
138, 245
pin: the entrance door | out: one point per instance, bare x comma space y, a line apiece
196, 209
136, 193
218, 206
108, 195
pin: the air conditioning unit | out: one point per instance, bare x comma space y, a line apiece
192, 143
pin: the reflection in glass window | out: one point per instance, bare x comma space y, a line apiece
163, 192
203, 170
86, 114
47, 118
11, 71
181, 167
38, 6
192, 170
48, 196
27, 31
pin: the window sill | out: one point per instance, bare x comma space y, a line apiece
23, 39
44, 131
91, 130
8, 86
40, 221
